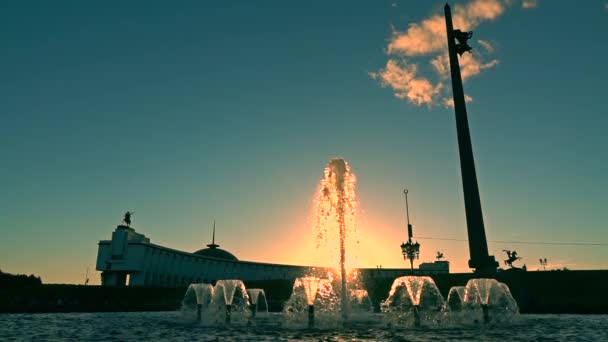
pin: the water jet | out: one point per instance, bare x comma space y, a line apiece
228, 313
486, 315
311, 298
198, 297
230, 300
413, 301
311, 316
257, 298
336, 211
488, 300
417, 316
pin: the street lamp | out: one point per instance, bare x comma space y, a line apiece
409, 249
543, 263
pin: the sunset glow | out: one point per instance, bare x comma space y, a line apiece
182, 116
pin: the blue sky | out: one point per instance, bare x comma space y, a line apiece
190, 112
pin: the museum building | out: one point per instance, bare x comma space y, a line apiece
129, 258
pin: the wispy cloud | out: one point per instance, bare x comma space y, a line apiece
527, 4
486, 45
418, 68
448, 102
470, 65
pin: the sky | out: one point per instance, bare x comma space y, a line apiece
197, 111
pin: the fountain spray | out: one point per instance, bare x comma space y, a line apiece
311, 316
340, 170
228, 313
201, 294
224, 292
336, 205
417, 316
486, 315
254, 309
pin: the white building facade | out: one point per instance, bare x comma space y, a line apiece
129, 258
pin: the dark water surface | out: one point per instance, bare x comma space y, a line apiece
174, 326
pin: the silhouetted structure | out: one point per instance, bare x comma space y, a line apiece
409, 249
480, 260
543, 263
214, 251
86, 277
512, 257
127, 218
129, 258
213, 244
8, 280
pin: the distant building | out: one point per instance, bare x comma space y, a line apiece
131, 259
436, 267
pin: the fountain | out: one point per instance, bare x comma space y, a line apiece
258, 301
230, 296
198, 297
311, 297
489, 300
336, 208
360, 301
456, 298
228, 301
314, 301
413, 300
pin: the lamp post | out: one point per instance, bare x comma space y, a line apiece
409, 249
543, 263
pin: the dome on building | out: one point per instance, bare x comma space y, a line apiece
215, 252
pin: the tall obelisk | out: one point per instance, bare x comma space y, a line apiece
480, 260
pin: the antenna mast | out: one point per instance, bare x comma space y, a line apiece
213, 244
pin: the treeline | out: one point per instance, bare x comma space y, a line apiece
18, 280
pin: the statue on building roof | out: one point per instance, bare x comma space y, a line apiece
127, 218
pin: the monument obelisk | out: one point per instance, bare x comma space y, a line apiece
480, 260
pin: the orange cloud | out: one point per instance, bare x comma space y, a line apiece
427, 39
401, 77
471, 15
429, 36
441, 65
420, 38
